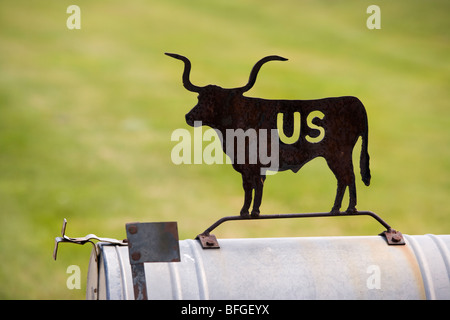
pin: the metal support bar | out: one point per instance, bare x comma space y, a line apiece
209, 241
139, 282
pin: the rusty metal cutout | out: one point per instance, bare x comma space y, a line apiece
290, 132
327, 128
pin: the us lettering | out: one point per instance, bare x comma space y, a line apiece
297, 124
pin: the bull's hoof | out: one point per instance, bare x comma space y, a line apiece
244, 214
335, 211
255, 213
351, 210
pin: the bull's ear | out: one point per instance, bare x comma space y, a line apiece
187, 70
255, 70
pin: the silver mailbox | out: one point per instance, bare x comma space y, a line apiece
283, 268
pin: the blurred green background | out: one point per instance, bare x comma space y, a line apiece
86, 118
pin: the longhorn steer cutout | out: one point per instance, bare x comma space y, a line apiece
327, 128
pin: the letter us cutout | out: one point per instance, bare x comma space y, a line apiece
328, 128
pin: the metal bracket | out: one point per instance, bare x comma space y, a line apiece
209, 241
393, 237
82, 240
150, 242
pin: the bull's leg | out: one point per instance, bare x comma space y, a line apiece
339, 195
352, 194
349, 177
343, 170
248, 189
259, 185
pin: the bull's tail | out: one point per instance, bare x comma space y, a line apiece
364, 158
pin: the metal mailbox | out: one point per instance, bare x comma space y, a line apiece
362, 267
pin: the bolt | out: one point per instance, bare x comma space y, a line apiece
136, 256
396, 238
132, 229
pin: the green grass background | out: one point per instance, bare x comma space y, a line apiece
86, 118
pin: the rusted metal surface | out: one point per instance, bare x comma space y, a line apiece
209, 241
81, 240
153, 242
338, 123
150, 242
393, 237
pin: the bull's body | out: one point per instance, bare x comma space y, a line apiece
343, 120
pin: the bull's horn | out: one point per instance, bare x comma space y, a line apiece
187, 70
255, 70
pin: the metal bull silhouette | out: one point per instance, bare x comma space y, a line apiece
327, 128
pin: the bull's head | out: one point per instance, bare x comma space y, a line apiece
213, 101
